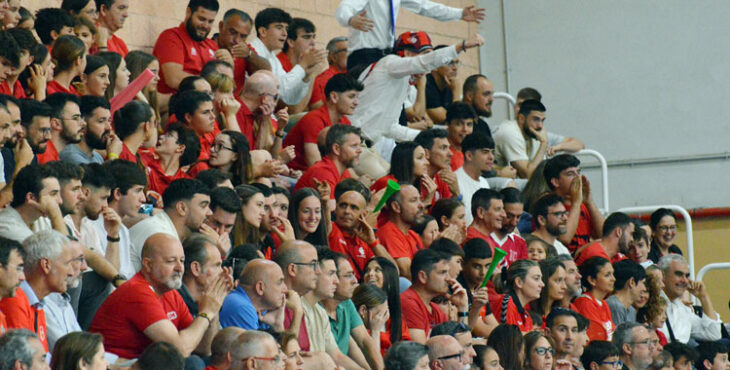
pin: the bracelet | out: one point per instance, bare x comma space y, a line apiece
205, 316
279, 134
112, 156
462, 314
112, 239
463, 45
374, 243
118, 277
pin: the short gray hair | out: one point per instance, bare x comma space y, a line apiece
43, 244
332, 47
250, 343
14, 346
665, 263
624, 334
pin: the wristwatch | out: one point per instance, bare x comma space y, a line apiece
205, 316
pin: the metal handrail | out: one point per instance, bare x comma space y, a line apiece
687, 220
509, 98
712, 266
604, 175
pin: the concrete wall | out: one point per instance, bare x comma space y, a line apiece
150, 17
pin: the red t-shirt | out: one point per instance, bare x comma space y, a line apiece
457, 158
239, 73
132, 308
3, 323
246, 120
305, 131
595, 249
512, 316
599, 314
399, 245
356, 250
324, 170
303, 333
385, 342
127, 154
516, 248
117, 45
285, 61
442, 190
174, 45
55, 87
319, 84
19, 314
206, 142
17, 92
157, 179
416, 315
473, 233
584, 231
50, 155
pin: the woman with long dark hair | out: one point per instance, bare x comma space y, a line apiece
118, 73
539, 351
308, 217
597, 280
383, 274
137, 62
507, 340
79, 350
95, 79
553, 276
663, 224
248, 220
69, 57
520, 284
230, 154
371, 303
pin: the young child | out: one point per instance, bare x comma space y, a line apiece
639, 248
538, 250
86, 31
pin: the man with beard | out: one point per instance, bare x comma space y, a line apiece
572, 279
186, 207
487, 210
524, 143
233, 30
343, 148
442, 89
203, 265
13, 143
184, 50
149, 309
436, 144
271, 31
405, 210
258, 99
550, 218
67, 125
98, 134
12, 255
618, 232
36, 193
478, 92
341, 94
634, 345
35, 117
6, 131
345, 322
505, 237
49, 267
112, 14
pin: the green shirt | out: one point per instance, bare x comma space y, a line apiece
347, 320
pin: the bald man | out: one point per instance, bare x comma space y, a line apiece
261, 292
256, 350
445, 352
148, 308
258, 101
222, 348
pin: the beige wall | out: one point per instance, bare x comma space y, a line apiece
150, 17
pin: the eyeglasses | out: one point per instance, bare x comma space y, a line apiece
559, 214
276, 359
646, 341
457, 355
614, 364
667, 228
273, 96
218, 146
314, 264
541, 351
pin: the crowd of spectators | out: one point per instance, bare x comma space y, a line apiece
249, 200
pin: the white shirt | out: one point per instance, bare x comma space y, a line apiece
2, 169
511, 146
386, 88
381, 36
291, 87
468, 186
125, 263
12, 225
560, 247
159, 223
686, 324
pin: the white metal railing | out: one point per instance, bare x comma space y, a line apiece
604, 175
710, 267
687, 220
509, 98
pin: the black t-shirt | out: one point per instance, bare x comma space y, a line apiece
655, 254
436, 98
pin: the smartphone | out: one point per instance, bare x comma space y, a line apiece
146, 209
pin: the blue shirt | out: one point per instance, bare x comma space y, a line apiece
238, 310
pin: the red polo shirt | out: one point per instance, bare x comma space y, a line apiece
305, 131
285, 61
513, 315
443, 191
156, 177
174, 45
399, 245
17, 92
239, 73
473, 233
246, 120
357, 251
55, 87
515, 246
457, 158
132, 308
50, 155
21, 315
599, 314
416, 315
320, 82
324, 170
117, 45
595, 249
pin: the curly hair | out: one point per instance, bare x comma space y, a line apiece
656, 304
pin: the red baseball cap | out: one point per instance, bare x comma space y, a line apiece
415, 41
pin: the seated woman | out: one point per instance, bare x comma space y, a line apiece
38, 74
118, 73
509, 344
539, 351
248, 221
308, 216
229, 154
553, 276
383, 274
428, 229
95, 79
225, 105
597, 280
79, 350
85, 30
69, 57
663, 225
451, 214
371, 303
486, 358
407, 356
137, 62
521, 284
